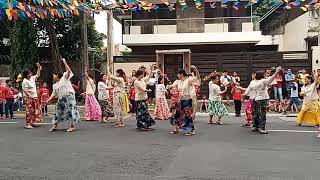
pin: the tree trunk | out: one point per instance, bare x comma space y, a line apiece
54, 48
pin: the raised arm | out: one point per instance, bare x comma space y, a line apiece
174, 85
66, 66
112, 77
38, 71
196, 73
270, 79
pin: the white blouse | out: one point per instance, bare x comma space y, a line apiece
311, 92
91, 87
214, 92
64, 86
184, 87
249, 92
140, 87
30, 87
103, 92
119, 84
161, 91
259, 89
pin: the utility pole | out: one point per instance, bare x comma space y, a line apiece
84, 45
110, 40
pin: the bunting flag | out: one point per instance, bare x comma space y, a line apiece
14, 10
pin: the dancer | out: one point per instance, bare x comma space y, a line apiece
44, 96
162, 108
184, 107
251, 94
144, 120
92, 107
194, 89
260, 91
237, 92
103, 96
66, 109
33, 106
120, 98
216, 106
310, 112
174, 92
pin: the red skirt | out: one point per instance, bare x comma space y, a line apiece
162, 109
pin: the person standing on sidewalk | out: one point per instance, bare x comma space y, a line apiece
44, 96
3, 93
66, 108
11, 91
33, 106
237, 92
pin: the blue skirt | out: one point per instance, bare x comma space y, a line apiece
183, 117
144, 119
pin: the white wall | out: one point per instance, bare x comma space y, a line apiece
315, 57
192, 38
294, 34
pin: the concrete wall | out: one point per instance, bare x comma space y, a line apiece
295, 33
315, 57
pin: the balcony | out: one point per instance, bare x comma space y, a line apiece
224, 30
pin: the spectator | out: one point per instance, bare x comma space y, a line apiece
44, 96
302, 76
277, 89
18, 101
11, 91
3, 92
289, 77
235, 77
237, 92
226, 81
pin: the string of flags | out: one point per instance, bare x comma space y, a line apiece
24, 9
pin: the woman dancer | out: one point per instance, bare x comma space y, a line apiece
310, 112
162, 108
184, 107
92, 107
103, 96
248, 108
66, 109
33, 106
216, 106
120, 98
260, 91
144, 120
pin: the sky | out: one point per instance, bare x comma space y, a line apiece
102, 26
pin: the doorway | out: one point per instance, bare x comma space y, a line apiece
172, 63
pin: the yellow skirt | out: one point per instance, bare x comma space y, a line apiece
310, 113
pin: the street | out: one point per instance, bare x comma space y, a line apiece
98, 151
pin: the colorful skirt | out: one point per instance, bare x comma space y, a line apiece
217, 108
183, 120
66, 110
249, 110
194, 102
162, 109
120, 104
310, 113
33, 111
92, 108
106, 108
144, 119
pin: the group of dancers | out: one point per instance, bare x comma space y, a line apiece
181, 113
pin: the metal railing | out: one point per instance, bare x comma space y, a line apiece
191, 25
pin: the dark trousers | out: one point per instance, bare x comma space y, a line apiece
9, 107
45, 109
2, 108
133, 106
259, 113
237, 106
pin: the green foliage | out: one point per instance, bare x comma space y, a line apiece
263, 8
23, 48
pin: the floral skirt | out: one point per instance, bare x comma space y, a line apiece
162, 109
120, 104
310, 113
194, 102
183, 118
144, 119
249, 110
106, 108
33, 110
92, 108
217, 108
66, 110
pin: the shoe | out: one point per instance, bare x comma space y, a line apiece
254, 129
298, 125
263, 131
193, 133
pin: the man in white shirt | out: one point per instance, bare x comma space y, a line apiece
226, 81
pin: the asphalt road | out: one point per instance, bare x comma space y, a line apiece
98, 151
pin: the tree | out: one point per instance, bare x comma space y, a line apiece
23, 47
4, 31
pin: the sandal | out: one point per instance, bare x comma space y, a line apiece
245, 125
71, 129
174, 132
210, 122
52, 129
188, 134
28, 127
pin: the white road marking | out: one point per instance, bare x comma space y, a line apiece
288, 130
8, 122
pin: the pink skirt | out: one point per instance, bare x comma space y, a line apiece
249, 110
92, 108
162, 109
